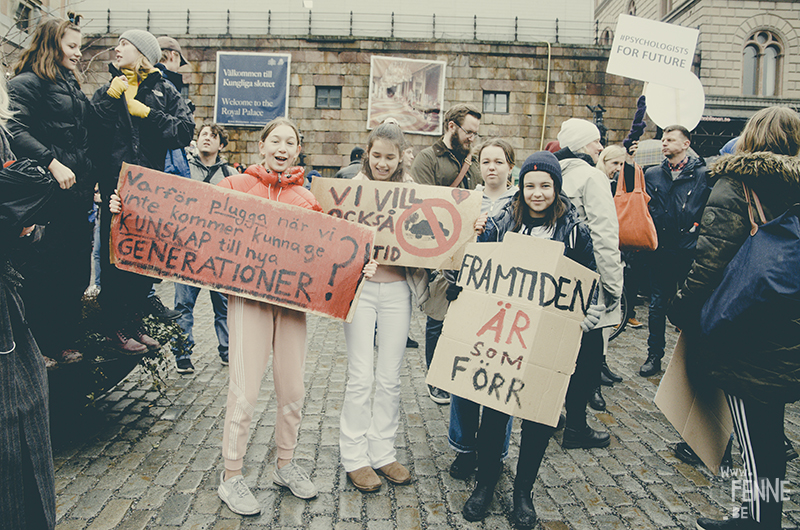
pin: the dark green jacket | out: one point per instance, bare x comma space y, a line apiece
438, 166
762, 361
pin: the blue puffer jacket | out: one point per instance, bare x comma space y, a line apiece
677, 205
574, 234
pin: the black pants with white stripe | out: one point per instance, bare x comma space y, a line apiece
759, 429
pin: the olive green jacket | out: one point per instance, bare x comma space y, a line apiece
762, 360
438, 166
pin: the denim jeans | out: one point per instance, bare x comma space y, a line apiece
667, 268
185, 298
463, 431
368, 427
433, 330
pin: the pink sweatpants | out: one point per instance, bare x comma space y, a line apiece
256, 329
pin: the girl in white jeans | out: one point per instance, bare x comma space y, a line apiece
366, 441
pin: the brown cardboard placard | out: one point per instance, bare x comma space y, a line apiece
418, 225
701, 416
511, 338
208, 236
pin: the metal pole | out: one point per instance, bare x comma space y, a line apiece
392, 33
556, 31
516, 27
597, 32
475, 27
108, 22
309, 22
228, 27
434, 25
269, 20
187, 21
148, 20
351, 23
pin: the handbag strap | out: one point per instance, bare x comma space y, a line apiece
638, 180
464, 169
763, 218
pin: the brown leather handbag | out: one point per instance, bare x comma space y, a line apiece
636, 228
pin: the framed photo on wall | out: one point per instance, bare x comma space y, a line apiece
409, 90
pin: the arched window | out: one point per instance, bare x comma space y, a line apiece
632, 8
761, 64
607, 37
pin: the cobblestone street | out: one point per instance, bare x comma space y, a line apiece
143, 459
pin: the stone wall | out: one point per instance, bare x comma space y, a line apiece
577, 79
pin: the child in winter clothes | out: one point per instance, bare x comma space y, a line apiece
258, 328
537, 210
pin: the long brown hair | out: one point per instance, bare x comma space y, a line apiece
774, 129
391, 133
44, 55
521, 211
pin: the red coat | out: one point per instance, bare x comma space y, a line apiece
284, 187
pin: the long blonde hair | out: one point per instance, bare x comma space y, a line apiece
774, 129
44, 55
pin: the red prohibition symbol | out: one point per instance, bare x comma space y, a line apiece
421, 223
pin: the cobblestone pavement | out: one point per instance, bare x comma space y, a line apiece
146, 460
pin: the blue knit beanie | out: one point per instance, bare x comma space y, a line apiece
145, 42
542, 161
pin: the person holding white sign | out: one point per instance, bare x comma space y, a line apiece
366, 439
539, 210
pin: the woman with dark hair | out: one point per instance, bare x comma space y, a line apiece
757, 364
50, 126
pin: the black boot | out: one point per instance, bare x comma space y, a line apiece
477, 505
596, 400
463, 466
605, 380
606, 372
651, 366
524, 516
585, 438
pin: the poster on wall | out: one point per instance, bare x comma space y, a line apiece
252, 88
409, 90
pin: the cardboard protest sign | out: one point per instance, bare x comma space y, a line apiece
651, 51
700, 415
511, 338
194, 233
418, 226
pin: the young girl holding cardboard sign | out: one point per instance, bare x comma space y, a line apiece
538, 210
366, 439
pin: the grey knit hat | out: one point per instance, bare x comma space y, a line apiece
145, 42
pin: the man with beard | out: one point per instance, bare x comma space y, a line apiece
448, 162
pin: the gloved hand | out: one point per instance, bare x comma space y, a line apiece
452, 292
138, 109
593, 315
117, 87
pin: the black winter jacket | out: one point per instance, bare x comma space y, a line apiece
52, 120
140, 141
676, 205
762, 359
578, 249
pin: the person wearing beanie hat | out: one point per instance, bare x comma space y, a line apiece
577, 134
590, 191
538, 210
145, 42
139, 117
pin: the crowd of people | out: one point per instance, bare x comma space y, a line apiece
702, 217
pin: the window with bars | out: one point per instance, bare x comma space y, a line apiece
495, 102
329, 97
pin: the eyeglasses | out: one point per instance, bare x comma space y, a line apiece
470, 134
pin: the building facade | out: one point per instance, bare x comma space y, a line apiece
748, 53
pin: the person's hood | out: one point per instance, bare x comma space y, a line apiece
566, 154
781, 172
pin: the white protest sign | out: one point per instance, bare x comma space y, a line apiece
511, 338
676, 106
651, 51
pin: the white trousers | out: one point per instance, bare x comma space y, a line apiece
367, 434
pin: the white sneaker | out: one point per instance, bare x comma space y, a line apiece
235, 493
296, 479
